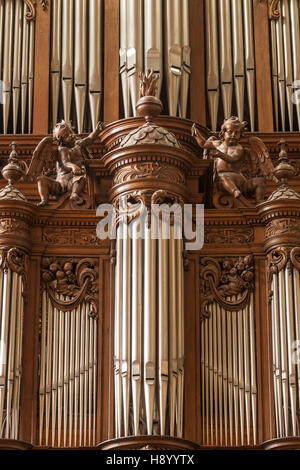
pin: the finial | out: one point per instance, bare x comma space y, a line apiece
284, 170
148, 105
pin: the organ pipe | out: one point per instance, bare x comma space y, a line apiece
11, 329
228, 376
155, 340
68, 376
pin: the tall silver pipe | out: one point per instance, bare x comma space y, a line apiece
24, 69
287, 48
215, 371
283, 346
173, 52
186, 58
31, 75
126, 327
54, 373
136, 319
225, 55
42, 367
295, 34
230, 375
163, 324
123, 58
16, 70
212, 60
118, 331
11, 352
250, 58
150, 338
253, 368
281, 71
180, 319
274, 73
224, 372
95, 58
153, 39
55, 63
60, 376
238, 55
80, 60
173, 358
276, 339
67, 56
7, 61
134, 48
288, 274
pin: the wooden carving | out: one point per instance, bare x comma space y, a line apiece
58, 164
77, 279
274, 12
30, 15
239, 171
222, 279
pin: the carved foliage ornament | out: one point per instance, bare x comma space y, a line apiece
222, 279
72, 278
30, 15
283, 226
16, 260
274, 12
283, 257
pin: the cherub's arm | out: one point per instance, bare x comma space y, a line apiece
92, 137
67, 163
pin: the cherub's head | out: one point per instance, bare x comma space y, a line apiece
232, 130
64, 134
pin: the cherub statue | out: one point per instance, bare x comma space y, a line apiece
239, 170
66, 154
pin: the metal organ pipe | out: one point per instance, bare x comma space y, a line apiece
230, 58
228, 376
143, 49
68, 375
149, 331
11, 329
285, 336
77, 27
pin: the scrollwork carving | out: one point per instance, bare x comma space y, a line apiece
283, 226
73, 278
16, 260
274, 12
30, 15
222, 279
149, 170
229, 235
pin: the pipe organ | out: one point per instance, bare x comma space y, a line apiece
127, 321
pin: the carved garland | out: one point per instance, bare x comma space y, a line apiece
74, 278
222, 279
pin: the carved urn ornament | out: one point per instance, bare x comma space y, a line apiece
13, 172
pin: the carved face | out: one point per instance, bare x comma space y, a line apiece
65, 136
232, 134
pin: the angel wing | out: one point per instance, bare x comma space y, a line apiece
260, 158
44, 158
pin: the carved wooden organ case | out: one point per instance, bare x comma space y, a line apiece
136, 342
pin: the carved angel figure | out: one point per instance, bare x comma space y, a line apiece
58, 163
239, 170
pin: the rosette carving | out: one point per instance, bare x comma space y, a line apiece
222, 279
77, 279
